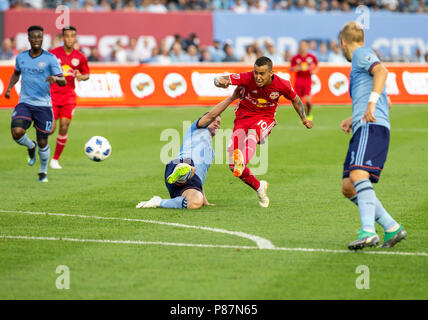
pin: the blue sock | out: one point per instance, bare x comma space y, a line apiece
366, 204
175, 203
44, 154
25, 141
381, 215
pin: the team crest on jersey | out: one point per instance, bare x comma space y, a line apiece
309, 59
236, 76
369, 58
75, 62
274, 95
42, 64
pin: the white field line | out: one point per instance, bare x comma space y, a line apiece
260, 242
136, 242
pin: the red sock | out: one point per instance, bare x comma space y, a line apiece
60, 144
250, 179
250, 148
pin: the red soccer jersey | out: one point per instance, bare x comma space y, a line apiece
307, 63
260, 101
70, 63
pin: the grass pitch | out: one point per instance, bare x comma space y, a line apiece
307, 211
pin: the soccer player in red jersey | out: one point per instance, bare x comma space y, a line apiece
305, 64
255, 117
75, 66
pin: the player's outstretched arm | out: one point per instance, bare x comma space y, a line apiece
222, 81
13, 80
218, 109
379, 73
300, 109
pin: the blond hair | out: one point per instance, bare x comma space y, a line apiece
352, 32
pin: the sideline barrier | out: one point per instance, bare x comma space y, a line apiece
192, 84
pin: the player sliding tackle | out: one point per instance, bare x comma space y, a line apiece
255, 118
185, 176
369, 144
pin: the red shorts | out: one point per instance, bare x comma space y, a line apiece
64, 111
303, 86
263, 127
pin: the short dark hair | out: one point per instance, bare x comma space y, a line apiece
68, 28
264, 61
34, 28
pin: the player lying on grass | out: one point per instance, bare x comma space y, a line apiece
255, 117
38, 69
369, 144
185, 176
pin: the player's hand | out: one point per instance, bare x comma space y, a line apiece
369, 115
78, 75
346, 125
307, 123
51, 79
7, 93
210, 204
221, 82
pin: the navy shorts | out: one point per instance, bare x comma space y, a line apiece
41, 116
367, 151
175, 190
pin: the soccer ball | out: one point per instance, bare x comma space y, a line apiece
97, 148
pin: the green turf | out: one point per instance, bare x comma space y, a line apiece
307, 211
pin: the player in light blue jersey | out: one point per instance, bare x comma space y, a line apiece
185, 176
39, 69
368, 147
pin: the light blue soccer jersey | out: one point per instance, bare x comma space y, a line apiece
35, 90
363, 60
197, 145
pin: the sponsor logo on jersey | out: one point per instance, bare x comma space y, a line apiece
174, 85
42, 64
75, 62
142, 85
274, 95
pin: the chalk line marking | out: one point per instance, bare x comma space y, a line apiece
136, 242
260, 242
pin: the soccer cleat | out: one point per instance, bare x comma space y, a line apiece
54, 164
238, 161
261, 194
310, 116
392, 238
181, 170
43, 177
152, 203
365, 239
32, 155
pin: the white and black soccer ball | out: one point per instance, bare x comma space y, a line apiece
97, 148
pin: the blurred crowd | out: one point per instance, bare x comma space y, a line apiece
237, 6
188, 50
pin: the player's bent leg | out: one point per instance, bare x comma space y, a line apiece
195, 198
18, 130
181, 173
